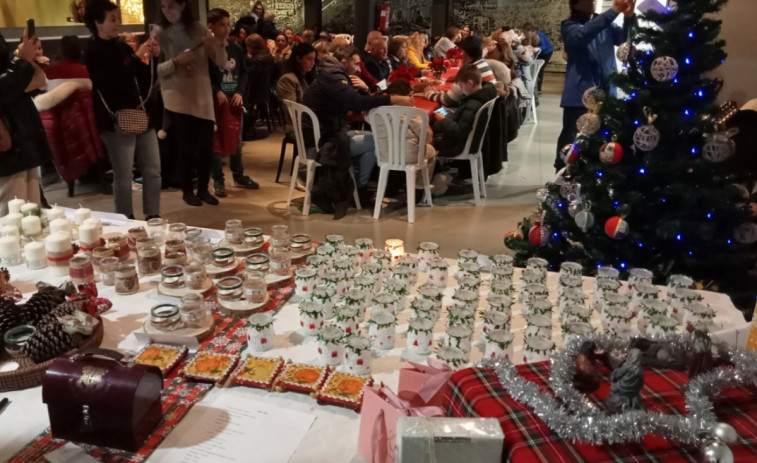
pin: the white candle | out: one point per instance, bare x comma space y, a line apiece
396, 247
58, 242
14, 205
34, 253
9, 230
14, 218
81, 215
55, 213
96, 222
31, 225
29, 208
89, 234
9, 247
60, 225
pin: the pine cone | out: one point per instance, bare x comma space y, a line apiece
10, 316
40, 304
48, 342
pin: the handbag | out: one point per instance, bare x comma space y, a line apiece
131, 121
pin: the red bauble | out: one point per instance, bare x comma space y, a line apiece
616, 228
538, 235
611, 153
514, 233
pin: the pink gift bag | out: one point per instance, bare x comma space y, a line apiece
422, 385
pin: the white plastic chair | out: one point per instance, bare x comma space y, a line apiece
535, 69
296, 113
473, 153
395, 120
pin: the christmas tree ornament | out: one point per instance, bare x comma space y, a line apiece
616, 228
574, 208
541, 194
611, 153
724, 432
591, 97
624, 51
746, 233
569, 153
539, 234
664, 69
570, 191
719, 146
514, 234
584, 220
647, 137
717, 452
588, 124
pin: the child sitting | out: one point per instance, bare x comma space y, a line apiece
451, 132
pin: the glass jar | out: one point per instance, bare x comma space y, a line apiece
175, 258
120, 247
223, 257
108, 270
174, 244
255, 287
178, 230
194, 275
172, 277
193, 313
191, 235
280, 236
200, 250
335, 240
145, 242
301, 243
134, 234
257, 262
126, 280
98, 254
156, 229
165, 317
233, 232
16, 338
229, 289
148, 260
80, 270
280, 260
253, 236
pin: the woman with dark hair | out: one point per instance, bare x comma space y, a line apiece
187, 94
281, 49
120, 80
293, 84
23, 143
589, 42
397, 52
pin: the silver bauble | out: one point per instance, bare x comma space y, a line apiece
624, 50
646, 137
717, 452
724, 432
745, 233
588, 124
584, 220
574, 208
718, 150
664, 69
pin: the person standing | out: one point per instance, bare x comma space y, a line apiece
187, 94
257, 23
23, 143
590, 44
121, 81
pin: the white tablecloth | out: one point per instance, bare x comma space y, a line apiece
333, 437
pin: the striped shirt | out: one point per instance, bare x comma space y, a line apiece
455, 94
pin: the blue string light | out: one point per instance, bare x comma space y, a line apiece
560, 205
599, 174
637, 122
599, 265
623, 265
649, 52
691, 253
679, 237
555, 235
605, 133
687, 112
691, 35
641, 245
700, 93
730, 241
675, 81
687, 61
616, 204
664, 200
633, 94
694, 150
642, 171
709, 215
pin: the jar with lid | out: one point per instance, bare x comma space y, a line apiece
178, 230
80, 270
255, 286
148, 260
229, 289
280, 260
223, 257
193, 313
233, 232
108, 270
191, 235
194, 275
257, 262
301, 243
253, 236
172, 277
280, 236
156, 229
126, 280
165, 317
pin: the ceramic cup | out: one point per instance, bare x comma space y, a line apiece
358, 357
260, 334
330, 345
420, 336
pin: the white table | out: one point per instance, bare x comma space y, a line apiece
333, 437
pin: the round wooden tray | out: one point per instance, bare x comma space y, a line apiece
200, 334
207, 289
241, 307
216, 273
241, 250
299, 257
30, 374
277, 281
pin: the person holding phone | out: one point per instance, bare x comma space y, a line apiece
120, 80
185, 85
23, 143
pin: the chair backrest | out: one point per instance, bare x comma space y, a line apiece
538, 64
297, 113
391, 123
480, 126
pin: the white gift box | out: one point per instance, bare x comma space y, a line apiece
449, 440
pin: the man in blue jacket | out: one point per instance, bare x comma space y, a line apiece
590, 42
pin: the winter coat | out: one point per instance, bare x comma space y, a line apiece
332, 95
262, 26
290, 87
378, 69
589, 44
260, 71
453, 130
29, 148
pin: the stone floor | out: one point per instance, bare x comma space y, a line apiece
453, 222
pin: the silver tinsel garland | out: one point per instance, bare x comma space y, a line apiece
572, 416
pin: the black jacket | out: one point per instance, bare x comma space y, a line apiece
379, 69
332, 95
453, 130
260, 72
113, 66
262, 26
29, 147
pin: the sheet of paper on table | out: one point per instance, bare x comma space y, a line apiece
233, 428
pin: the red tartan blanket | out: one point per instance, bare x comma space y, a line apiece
476, 392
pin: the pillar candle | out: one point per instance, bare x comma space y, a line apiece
9, 247
31, 225
89, 234
56, 212
81, 215
34, 253
96, 222
14, 219
60, 225
59, 252
14, 205
29, 208
9, 230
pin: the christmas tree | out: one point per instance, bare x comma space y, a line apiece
651, 181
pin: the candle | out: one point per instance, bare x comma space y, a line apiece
60, 225
96, 222
89, 235
9, 230
31, 226
14, 205
10, 250
396, 247
81, 215
34, 253
30, 209
56, 212
14, 219
59, 252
